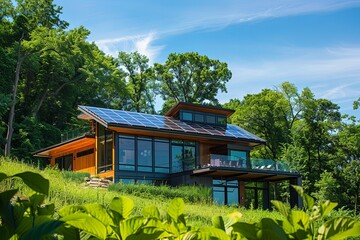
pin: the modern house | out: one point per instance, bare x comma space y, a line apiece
191, 144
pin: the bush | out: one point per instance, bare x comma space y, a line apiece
77, 177
194, 194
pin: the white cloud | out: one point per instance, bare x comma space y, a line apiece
331, 73
220, 14
141, 43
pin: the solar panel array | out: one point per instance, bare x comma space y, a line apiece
119, 117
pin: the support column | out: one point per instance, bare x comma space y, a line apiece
266, 196
295, 199
241, 194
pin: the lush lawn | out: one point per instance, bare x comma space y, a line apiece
66, 188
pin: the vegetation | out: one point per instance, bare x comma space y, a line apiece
43, 63
32, 217
310, 135
65, 191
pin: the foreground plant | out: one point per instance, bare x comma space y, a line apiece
30, 218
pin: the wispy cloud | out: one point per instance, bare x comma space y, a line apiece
331, 73
194, 16
140, 43
220, 14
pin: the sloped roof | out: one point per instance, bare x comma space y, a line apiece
157, 123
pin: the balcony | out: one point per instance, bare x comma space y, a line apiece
75, 133
225, 161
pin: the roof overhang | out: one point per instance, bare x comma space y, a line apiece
246, 175
198, 107
72, 144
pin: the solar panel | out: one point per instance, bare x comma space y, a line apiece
121, 118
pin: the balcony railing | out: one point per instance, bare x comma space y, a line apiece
217, 160
73, 134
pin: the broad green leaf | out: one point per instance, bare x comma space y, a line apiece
299, 219
176, 208
6, 212
233, 217
326, 207
339, 228
308, 200
151, 212
87, 224
99, 212
268, 229
42, 230
281, 207
47, 209
68, 210
206, 233
36, 200
245, 229
149, 233
122, 205
35, 181
2, 176
28, 222
131, 226
218, 222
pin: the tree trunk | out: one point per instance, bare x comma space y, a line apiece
13, 103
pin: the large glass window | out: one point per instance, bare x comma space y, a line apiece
226, 192
177, 158
126, 153
162, 154
183, 156
144, 154
189, 157
104, 149
65, 162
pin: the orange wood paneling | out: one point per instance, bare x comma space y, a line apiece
85, 164
108, 174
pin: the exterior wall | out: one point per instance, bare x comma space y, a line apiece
205, 153
80, 164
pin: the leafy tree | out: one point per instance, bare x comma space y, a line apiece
263, 114
191, 77
140, 81
26, 17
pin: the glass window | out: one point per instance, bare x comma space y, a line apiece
126, 154
221, 120
162, 154
189, 157
177, 158
104, 149
219, 195
187, 116
232, 196
144, 154
198, 117
210, 119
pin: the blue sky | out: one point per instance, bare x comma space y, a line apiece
312, 44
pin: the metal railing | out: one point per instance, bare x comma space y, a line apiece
74, 133
217, 160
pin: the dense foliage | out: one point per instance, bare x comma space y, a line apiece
30, 218
47, 70
310, 135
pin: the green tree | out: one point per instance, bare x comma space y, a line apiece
24, 19
191, 77
140, 81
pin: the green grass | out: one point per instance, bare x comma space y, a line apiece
65, 189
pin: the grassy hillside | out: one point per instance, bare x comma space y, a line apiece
65, 189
